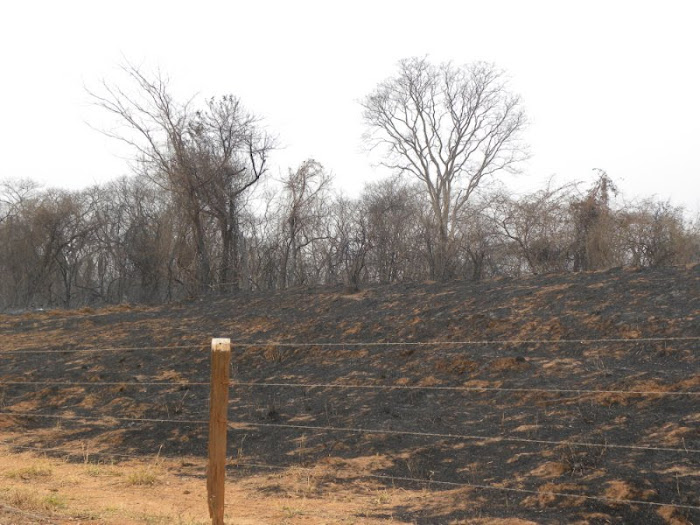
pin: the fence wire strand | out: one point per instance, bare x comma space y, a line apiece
323, 429
354, 344
477, 486
248, 424
469, 388
85, 453
464, 437
456, 484
476, 389
244, 344
108, 383
100, 350
106, 419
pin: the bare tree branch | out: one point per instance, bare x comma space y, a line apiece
448, 126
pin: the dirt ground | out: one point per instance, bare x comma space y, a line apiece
362, 429
44, 490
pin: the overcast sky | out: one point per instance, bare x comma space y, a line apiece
612, 84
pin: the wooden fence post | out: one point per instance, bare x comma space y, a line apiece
218, 409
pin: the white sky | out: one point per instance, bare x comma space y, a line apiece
606, 84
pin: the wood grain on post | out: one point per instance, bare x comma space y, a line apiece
218, 408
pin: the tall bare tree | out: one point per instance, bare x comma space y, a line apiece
450, 127
304, 209
207, 158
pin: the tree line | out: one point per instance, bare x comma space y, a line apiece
202, 214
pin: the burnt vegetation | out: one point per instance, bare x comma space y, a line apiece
202, 213
545, 406
436, 327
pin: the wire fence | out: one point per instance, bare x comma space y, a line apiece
601, 442
477, 486
365, 344
254, 424
85, 453
339, 474
100, 350
476, 389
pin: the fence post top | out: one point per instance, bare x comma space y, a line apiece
221, 345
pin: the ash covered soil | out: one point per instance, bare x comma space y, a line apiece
487, 432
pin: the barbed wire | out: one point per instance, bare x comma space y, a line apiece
467, 342
108, 383
477, 389
464, 437
246, 424
105, 419
354, 344
466, 388
374, 476
84, 453
479, 486
319, 429
237, 464
99, 350
87, 453
538, 492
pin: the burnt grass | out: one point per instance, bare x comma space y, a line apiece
620, 303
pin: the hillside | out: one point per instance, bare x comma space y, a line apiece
498, 376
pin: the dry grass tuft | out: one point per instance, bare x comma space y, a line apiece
99, 470
509, 364
29, 500
148, 475
144, 476
456, 365
40, 470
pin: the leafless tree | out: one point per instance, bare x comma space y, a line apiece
207, 158
450, 127
13, 194
594, 224
479, 241
54, 247
304, 208
539, 226
350, 242
655, 234
17, 253
391, 209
